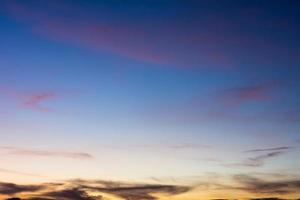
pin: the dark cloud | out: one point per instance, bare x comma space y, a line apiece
81, 189
259, 160
70, 194
144, 191
132, 191
269, 198
13, 198
11, 188
223, 199
255, 185
254, 161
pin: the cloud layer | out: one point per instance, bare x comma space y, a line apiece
82, 189
253, 186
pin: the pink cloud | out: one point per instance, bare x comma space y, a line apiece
118, 38
251, 93
30, 100
229, 104
34, 101
160, 44
216, 41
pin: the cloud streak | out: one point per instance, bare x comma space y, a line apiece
251, 93
258, 161
269, 149
46, 153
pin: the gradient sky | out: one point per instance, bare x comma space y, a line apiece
191, 99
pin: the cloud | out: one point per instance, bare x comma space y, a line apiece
46, 153
259, 160
224, 199
69, 194
82, 189
268, 198
255, 160
251, 93
230, 104
188, 146
59, 21
143, 191
32, 100
132, 191
255, 185
10, 188
168, 41
270, 149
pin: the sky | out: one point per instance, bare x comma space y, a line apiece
149, 99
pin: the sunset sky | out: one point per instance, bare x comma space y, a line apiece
149, 99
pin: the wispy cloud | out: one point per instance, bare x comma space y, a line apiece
258, 161
268, 153
174, 146
32, 100
46, 153
250, 93
223, 104
269, 149
188, 146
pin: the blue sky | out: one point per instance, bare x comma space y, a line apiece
161, 88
